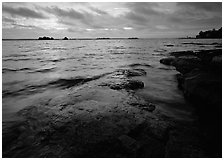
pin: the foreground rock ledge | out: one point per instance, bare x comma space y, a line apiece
93, 120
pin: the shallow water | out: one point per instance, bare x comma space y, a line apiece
34, 69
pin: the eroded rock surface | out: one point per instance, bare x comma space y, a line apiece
200, 79
97, 118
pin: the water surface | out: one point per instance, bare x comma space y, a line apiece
32, 69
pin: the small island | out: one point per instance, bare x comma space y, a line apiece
210, 34
45, 38
133, 38
65, 38
102, 38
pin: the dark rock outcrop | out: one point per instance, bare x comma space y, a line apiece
200, 79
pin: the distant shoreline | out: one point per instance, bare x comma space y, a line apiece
78, 39
99, 39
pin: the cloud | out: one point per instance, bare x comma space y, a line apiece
141, 13
8, 20
138, 19
25, 26
70, 13
206, 6
23, 12
112, 19
144, 8
101, 12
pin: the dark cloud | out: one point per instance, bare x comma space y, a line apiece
70, 13
88, 19
138, 19
23, 12
141, 12
71, 17
98, 10
196, 15
206, 6
9, 20
144, 8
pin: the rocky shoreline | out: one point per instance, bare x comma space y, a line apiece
200, 79
103, 117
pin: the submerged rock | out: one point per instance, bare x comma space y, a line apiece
121, 79
131, 72
94, 124
125, 84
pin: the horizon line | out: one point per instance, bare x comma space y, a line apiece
99, 38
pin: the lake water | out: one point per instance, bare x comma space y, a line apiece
32, 69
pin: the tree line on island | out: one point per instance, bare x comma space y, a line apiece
66, 38
209, 34
50, 38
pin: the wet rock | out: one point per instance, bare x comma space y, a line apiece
182, 53
180, 80
94, 124
121, 79
201, 82
131, 72
128, 84
168, 60
185, 64
203, 86
150, 107
129, 143
217, 60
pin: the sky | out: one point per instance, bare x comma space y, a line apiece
108, 19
